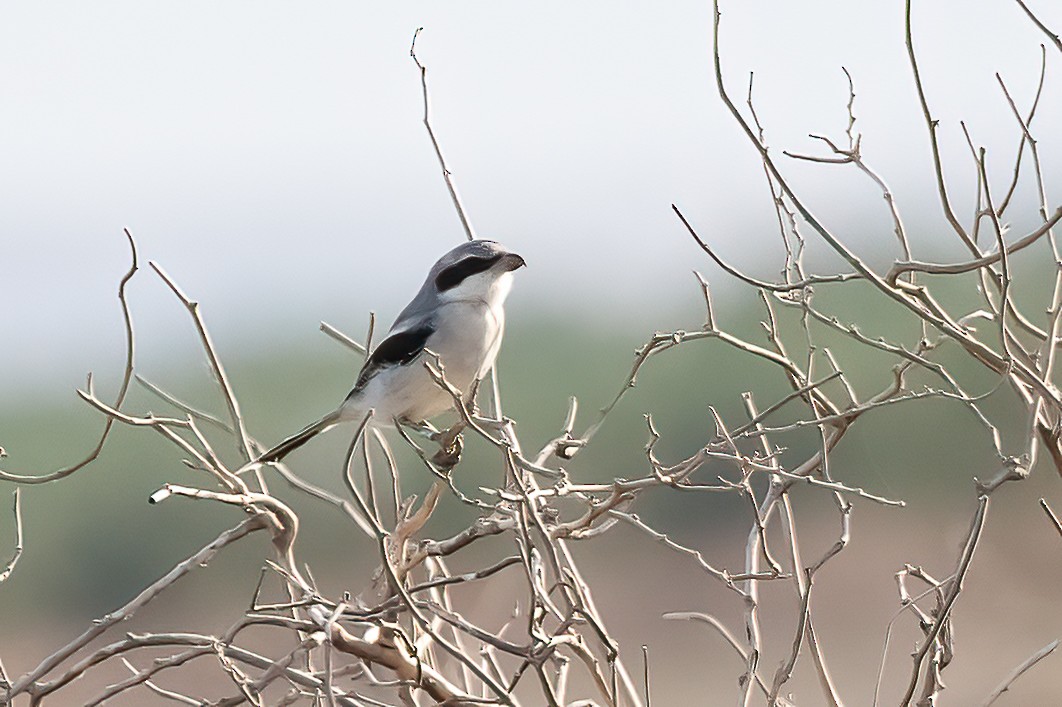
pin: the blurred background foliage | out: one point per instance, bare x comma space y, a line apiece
92, 541
272, 157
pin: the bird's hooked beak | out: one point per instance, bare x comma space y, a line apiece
512, 261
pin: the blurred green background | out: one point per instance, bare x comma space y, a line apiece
272, 157
92, 541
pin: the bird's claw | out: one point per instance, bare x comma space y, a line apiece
451, 444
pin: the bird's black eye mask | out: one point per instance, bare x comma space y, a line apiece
455, 274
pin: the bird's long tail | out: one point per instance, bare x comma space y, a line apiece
300, 438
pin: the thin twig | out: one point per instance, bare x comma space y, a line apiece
724, 632
1043, 28
1019, 671
10, 567
29, 681
235, 417
1051, 516
447, 175
342, 338
952, 595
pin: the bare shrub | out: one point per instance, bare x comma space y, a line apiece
401, 640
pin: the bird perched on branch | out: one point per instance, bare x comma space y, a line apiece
458, 316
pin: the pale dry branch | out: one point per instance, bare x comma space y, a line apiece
852, 155
1037, 170
17, 553
829, 689
970, 265
500, 693
29, 683
123, 389
955, 587
235, 417
1040, 25
343, 338
161, 692
364, 511
281, 521
761, 284
407, 636
931, 126
1051, 516
200, 645
321, 494
447, 175
785, 671
184, 407
724, 632
1020, 670
725, 576
203, 460
907, 603
1028, 121
917, 300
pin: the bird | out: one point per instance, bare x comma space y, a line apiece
458, 316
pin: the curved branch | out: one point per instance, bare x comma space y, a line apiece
970, 265
27, 682
127, 377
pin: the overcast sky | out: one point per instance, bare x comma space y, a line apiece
270, 155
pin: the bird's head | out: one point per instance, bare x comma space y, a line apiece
476, 270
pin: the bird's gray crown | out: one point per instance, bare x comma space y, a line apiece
470, 250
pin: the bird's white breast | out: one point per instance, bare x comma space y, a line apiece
467, 339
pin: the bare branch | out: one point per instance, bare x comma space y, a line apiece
242, 438
971, 265
1028, 121
1042, 27
1019, 671
952, 595
127, 375
723, 631
761, 284
931, 126
342, 338
10, 567
189, 410
1051, 516
28, 682
168, 694
447, 175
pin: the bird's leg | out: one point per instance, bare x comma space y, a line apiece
449, 440
422, 429
450, 444
472, 404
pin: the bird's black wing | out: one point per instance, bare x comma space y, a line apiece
397, 349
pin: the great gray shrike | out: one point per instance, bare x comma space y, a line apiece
458, 314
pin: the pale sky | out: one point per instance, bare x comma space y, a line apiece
270, 155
